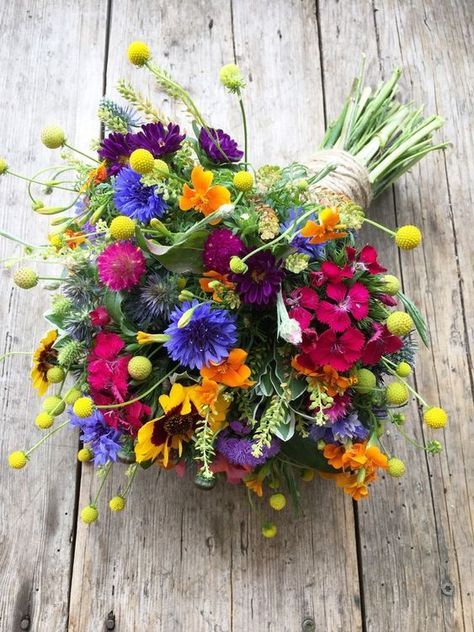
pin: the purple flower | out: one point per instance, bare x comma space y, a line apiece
116, 150
345, 428
219, 146
136, 200
238, 450
262, 281
158, 139
220, 246
208, 336
299, 243
103, 440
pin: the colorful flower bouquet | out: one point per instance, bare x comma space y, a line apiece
213, 318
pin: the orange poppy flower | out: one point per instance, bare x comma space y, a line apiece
334, 454
96, 176
232, 371
210, 276
204, 396
255, 484
329, 227
352, 486
328, 378
376, 458
203, 198
354, 458
74, 239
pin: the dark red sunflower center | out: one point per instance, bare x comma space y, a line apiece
174, 423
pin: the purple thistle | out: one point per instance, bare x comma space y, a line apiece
262, 281
219, 146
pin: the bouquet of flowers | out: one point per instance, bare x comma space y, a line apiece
211, 317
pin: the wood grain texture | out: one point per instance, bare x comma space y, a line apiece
46, 47
179, 558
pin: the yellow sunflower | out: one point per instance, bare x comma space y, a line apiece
43, 360
163, 438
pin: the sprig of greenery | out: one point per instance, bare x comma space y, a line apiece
204, 446
142, 104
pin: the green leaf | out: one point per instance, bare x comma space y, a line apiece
417, 318
54, 319
304, 452
286, 429
184, 256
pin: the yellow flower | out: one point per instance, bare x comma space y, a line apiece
408, 237
43, 360
435, 417
138, 53
163, 438
142, 161
144, 338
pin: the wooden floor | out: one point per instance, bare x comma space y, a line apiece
178, 558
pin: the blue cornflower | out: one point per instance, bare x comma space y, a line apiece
345, 428
136, 200
208, 336
104, 441
300, 243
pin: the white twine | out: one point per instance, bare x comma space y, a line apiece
350, 178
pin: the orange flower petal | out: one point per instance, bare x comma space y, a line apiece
201, 179
216, 197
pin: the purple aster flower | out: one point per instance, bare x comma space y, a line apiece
116, 150
220, 246
262, 281
219, 146
345, 428
238, 450
208, 336
104, 441
300, 243
158, 139
136, 200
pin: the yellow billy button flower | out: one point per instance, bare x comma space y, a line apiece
307, 475
26, 278
122, 227
72, 395
269, 530
403, 369
161, 168
396, 467
435, 417
54, 405
83, 407
17, 459
366, 381
237, 265
3, 166
391, 284
408, 237
117, 503
243, 181
399, 323
138, 53
89, 514
231, 78
142, 161
44, 420
139, 368
84, 455
55, 375
277, 502
53, 137
396, 394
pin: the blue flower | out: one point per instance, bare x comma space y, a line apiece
345, 428
208, 336
103, 440
300, 243
134, 199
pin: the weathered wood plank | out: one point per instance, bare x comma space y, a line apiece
46, 48
205, 550
394, 554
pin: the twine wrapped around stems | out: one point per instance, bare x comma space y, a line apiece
350, 178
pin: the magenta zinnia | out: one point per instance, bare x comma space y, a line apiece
121, 265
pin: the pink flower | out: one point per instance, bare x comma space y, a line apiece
107, 372
298, 300
340, 352
353, 301
339, 408
335, 274
106, 346
121, 265
386, 299
380, 343
127, 418
100, 316
235, 473
365, 260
